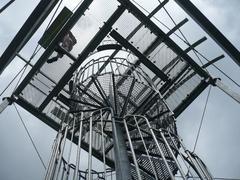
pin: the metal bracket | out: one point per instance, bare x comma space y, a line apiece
217, 82
6, 101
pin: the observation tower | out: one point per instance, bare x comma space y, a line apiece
112, 83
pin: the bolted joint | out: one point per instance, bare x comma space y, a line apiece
9, 99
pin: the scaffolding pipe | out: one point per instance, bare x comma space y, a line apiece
76, 174
172, 154
122, 165
55, 148
59, 158
90, 148
198, 171
132, 150
70, 149
159, 148
146, 149
103, 145
190, 172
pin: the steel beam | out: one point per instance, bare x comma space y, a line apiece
227, 90
150, 49
209, 28
90, 95
213, 61
166, 86
122, 164
168, 41
68, 101
50, 122
143, 59
124, 108
159, 40
101, 90
6, 6
42, 73
71, 22
128, 38
191, 47
30, 108
30, 26
161, 5
102, 33
190, 98
114, 98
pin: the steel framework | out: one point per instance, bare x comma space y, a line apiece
119, 98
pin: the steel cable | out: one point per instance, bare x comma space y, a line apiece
183, 40
30, 137
202, 118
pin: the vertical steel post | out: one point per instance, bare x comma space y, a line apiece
203, 168
103, 145
59, 158
159, 148
172, 154
90, 148
190, 172
75, 176
198, 171
132, 149
55, 148
122, 165
146, 149
54, 154
70, 149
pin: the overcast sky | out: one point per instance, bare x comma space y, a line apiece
218, 143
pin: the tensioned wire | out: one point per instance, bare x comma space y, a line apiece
29, 135
184, 40
36, 50
187, 43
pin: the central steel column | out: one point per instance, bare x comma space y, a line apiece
122, 164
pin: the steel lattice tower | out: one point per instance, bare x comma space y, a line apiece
117, 92
120, 114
